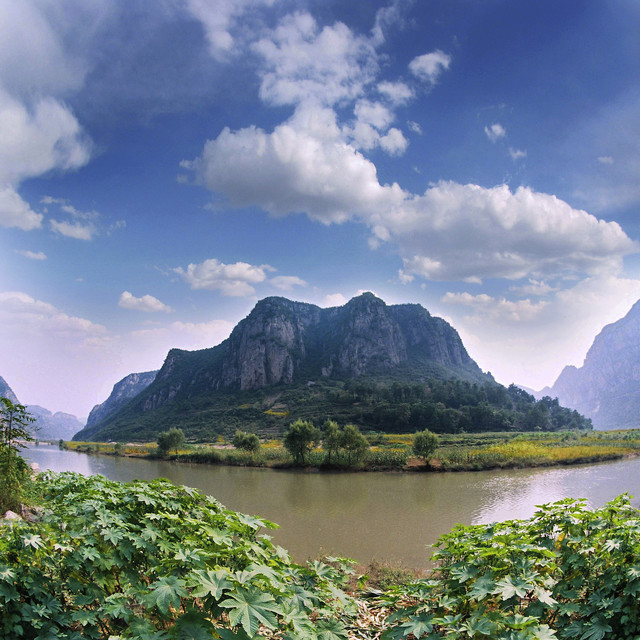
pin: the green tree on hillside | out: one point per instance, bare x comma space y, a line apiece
170, 440
300, 440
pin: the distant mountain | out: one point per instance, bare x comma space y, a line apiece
7, 392
47, 425
607, 386
53, 426
129, 387
285, 344
383, 367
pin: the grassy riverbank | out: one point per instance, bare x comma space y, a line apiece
456, 452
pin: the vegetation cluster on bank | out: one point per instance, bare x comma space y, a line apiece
379, 451
153, 561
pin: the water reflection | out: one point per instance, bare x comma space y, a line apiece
391, 516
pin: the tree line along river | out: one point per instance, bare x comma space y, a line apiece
366, 516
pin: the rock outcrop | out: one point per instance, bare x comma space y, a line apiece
53, 426
129, 387
7, 392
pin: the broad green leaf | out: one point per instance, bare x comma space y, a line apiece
250, 607
596, 630
166, 592
331, 630
210, 583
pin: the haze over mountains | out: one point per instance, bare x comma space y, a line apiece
607, 386
47, 425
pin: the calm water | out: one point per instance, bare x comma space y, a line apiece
365, 516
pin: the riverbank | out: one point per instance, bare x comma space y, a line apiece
392, 452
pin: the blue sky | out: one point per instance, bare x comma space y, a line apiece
164, 165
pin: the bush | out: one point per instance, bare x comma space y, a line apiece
424, 444
568, 572
152, 560
246, 441
168, 440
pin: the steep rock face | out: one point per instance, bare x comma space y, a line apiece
53, 426
129, 387
7, 392
607, 387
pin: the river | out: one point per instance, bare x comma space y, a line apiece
366, 516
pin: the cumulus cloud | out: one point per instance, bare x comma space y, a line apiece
219, 19
32, 255
398, 93
334, 300
235, 279
304, 63
495, 132
430, 66
467, 232
15, 212
146, 303
605, 160
287, 283
302, 166
76, 230
517, 154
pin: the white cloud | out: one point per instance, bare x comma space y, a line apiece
467, 232
303, 63
530, 342
534, 288
303, 166
145, 303
495, 132
32, 255
334, 300
605, 160
394, 142
405, 278
517, 154
219, 19
230, 279
398, 93
38, 138
287, 283
430, 66
75, 230
15, 212
415, 127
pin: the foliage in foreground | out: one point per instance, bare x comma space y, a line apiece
14, 471
151, 560
568, 572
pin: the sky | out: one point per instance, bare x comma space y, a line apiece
166, 164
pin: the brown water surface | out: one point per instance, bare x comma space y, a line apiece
366, 516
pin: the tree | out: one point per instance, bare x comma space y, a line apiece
424, 444
300, 439
353, 442
331, 439
14, 472
246, 441
170, 440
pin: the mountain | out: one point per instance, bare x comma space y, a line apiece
385, 367
282, 346
7, 392
129, 387
53, 426
607, 386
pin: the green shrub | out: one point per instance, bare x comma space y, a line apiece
150, 560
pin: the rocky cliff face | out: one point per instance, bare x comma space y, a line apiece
129, 387
7, 392
607, 387
282, 341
